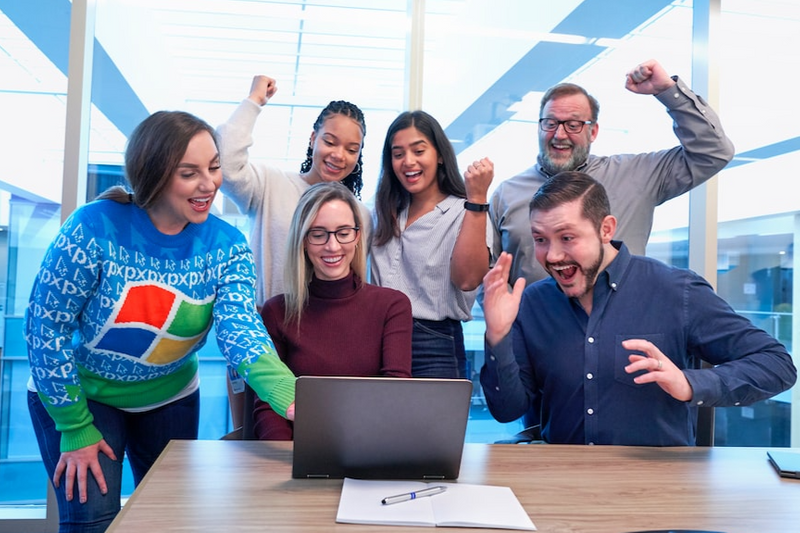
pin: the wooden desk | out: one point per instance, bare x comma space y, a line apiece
224, 486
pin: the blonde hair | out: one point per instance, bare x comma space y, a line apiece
298, 268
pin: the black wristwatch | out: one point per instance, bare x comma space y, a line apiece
478, 208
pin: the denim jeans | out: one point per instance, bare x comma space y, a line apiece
142, 436
437, 349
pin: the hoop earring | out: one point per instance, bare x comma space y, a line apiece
357, 169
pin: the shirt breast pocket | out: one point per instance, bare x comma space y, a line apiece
621, 356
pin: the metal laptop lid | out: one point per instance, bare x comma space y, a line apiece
786, 463
379, 427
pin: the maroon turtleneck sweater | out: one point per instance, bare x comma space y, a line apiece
348, 328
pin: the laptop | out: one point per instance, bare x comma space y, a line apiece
379, 427
787, 464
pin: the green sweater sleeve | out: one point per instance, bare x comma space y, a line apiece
271, 379
75, 423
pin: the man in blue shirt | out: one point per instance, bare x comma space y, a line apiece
610, 341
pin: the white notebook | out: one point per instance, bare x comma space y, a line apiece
460, 505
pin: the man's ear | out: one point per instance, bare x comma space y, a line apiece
608, 228
594, 131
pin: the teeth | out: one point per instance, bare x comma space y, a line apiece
332, 259
412, 174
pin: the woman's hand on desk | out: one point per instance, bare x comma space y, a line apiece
290, 412
660, 369
77, 463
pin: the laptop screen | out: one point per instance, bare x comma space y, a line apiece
380, 427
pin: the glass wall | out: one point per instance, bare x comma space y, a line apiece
484, 70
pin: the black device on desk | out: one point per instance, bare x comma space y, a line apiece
380, 427
787, 464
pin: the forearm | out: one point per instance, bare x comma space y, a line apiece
706, 148
744, 381
234, 138
503, 389
74, 422
470, 259
749, 364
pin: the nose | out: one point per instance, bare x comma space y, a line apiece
210, 181
553, 252
333, 244
337, 152
561, 131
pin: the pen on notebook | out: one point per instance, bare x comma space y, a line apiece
413, 495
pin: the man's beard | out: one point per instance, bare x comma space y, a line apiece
589, 273
579, 155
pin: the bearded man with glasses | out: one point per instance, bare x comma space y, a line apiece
635, 183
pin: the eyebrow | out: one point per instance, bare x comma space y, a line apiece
336, 137
415, 143
184, 164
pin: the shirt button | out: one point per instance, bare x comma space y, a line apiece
614, 286
497, 388
736, 404
491, 357
591, 444
590, 411
676, 95
589, 375
700, 402
591, 340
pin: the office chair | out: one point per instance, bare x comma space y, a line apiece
529, 435
247, 430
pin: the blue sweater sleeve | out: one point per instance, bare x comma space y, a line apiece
242, 336
67, 276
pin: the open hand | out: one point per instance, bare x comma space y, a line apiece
660, 369
77, 464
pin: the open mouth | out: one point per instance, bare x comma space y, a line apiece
561, 147
564, 273
413, 176
200, 204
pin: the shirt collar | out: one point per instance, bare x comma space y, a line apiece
612, 275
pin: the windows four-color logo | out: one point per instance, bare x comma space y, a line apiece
155, 324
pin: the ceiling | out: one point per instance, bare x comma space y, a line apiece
201, 55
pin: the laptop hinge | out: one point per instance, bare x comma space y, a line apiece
318, 476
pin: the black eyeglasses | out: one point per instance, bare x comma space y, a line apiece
321, 236
571, 126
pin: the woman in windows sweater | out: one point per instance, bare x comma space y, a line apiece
125, 298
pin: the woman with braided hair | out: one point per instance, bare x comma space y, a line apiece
269, 195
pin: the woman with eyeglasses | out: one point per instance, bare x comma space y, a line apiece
431, 238
329, 321
268, 194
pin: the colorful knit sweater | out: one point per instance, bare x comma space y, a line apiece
119, 310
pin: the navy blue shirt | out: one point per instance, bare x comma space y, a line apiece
574, 363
